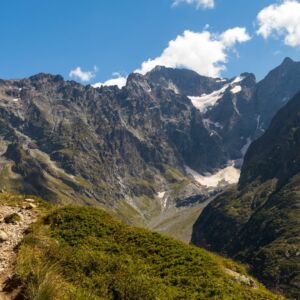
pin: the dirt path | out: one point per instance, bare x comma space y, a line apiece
11, 234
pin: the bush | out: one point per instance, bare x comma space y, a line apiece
12, 218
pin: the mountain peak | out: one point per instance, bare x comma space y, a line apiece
158, 69
287, 61
137, 79
248, 75
46, 77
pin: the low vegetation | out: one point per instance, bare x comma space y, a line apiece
83, 253
12, 218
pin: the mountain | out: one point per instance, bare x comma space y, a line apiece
238, 109
258, 222
80, 252
278, 87
184, 82
166, 142
227, 105
63, 140
233, 116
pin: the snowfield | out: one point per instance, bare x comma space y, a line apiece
228, 175
236, 89
204, 101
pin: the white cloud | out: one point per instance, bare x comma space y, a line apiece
203, 52
234, 35
281, 20
197, 3
119, 81
83, 75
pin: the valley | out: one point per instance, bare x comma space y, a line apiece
150, 150
165, 153
121, 149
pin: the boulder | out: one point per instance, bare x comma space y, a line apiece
31, 206
3, 236
30, 200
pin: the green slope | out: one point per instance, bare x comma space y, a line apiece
83, 253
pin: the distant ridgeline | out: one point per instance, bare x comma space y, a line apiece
168, 139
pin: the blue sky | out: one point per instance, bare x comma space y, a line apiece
56, 36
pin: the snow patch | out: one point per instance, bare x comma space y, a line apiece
172, 87
160, 195
246, 146
258, 124
228, 175
285, 99
234, 103
211, 126
236, 89
163, 198
257, 121
234, 83
221, 80
208, 123
164, 203
237, 79
204, 101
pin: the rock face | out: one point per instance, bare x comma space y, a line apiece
236, 110
184, 82
3, 236
121, 148
259, 221
279, 86
62, 140
234, 117
11, 235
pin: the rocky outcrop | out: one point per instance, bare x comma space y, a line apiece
184, 82
14, 221
276, 89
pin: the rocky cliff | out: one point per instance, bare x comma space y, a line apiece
168, 139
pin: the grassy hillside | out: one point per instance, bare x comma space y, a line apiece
83, 253
257, 229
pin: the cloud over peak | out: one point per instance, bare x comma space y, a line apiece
84, 76
281, 20
118, 80
203, 52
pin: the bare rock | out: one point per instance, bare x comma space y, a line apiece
3, 236
31, 206
13, 218
30, 200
